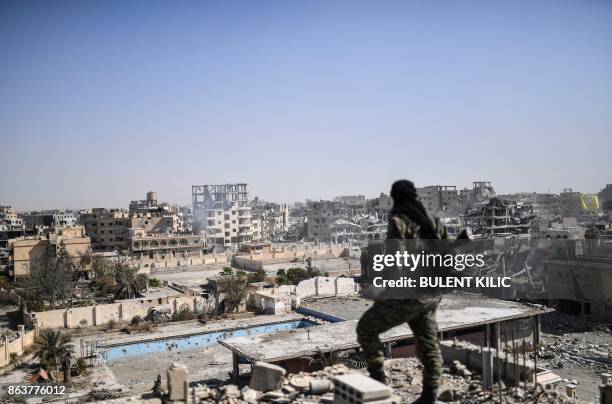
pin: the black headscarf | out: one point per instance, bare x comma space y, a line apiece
406, 202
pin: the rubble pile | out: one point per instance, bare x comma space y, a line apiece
560, 323
559, 351
459, 385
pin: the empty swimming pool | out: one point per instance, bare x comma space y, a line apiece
194, 341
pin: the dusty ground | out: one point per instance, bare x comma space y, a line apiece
205, 365
577, 349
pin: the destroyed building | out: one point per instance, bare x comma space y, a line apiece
499, 218
270, 221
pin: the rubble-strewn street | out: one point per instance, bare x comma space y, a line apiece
577, 351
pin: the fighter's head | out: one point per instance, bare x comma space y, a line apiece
403, 190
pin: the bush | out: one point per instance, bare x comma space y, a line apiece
136, 320
81, 365
258, 276
184, 314
154, 283
112, 324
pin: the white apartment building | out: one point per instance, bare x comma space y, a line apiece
223, 213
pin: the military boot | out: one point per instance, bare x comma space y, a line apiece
428, 396
378, 374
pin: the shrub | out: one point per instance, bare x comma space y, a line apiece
136, 320
81, 365
183, 314
154, 283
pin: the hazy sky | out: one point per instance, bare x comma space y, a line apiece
101, 101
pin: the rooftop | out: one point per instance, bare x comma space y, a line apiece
455, 312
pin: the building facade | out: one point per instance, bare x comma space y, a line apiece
111, 229
25, 250
223, 213
49, 218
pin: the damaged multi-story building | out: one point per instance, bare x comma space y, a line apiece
49, 218
223, 213
112, 229
270, 221
319, 218
545, 205
11, 226
500, 218
24, 250
380, 206
342, 220
439, 198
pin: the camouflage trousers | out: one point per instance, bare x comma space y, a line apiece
420, 316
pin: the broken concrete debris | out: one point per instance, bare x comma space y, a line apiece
266, 377
340, 384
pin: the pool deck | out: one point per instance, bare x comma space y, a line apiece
177, 330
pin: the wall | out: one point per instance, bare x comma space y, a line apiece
101, 314
16, 346
144, 264
257, 259
281, 299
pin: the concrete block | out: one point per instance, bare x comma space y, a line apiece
266, 377
570, 390
355, 388
606, 378
178, 382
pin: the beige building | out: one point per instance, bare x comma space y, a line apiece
380, 206
320, 218
25, 250
111, 229
439, 198
269, 221
143, 244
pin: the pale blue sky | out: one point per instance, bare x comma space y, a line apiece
103, 101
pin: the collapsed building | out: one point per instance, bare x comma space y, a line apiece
344, 220
499, 218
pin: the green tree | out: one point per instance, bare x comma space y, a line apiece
258, 276
155, 283
129, 282
295, 275
103, 276
51, 346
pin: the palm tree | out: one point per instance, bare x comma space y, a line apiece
51, 347
129, 282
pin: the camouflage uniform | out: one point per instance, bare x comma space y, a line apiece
420, 314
